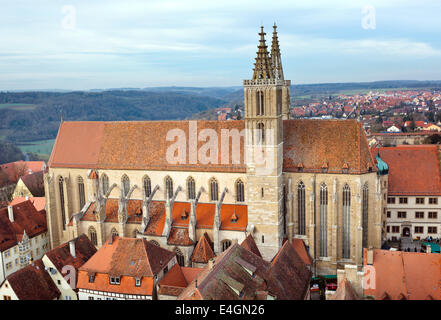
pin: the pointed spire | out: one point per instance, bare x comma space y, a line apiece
276, 59
262, 66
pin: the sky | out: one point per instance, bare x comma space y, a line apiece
85, 44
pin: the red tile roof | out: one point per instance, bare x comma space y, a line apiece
135, 145
177, 279
14, 170
38, 202
204, 215
300, 247
344, 291
413, 169
289, 275
127, 258
33, 283
203, 251
60, 256
34, 182
239, 274
26, 218
250, 245
411, 275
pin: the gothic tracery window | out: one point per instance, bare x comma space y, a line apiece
169, 187
92, 236
191, 188
147, 184
323, 220
63, 210
365, 208
301, 208
240, 191
346, 222
214, 190
126, 185
260, 103
104, 183
81, 193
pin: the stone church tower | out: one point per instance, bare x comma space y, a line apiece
266, 99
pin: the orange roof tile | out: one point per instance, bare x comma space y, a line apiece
203, 250
399, 274
135, 145
127, 258
38, 202
250, 245
26, 219
413, 169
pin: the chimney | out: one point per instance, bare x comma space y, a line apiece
370, 256
72, 248
11, 213
210, 264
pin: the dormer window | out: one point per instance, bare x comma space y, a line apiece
300, 167
115, 280
345, 168
92, 278
137, 282
325, 167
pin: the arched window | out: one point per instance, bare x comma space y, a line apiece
114, 232
346, 222
260, 103
191, 188
105, 183
365, 208
179, 257
301, 208
63, 212
323, 220
147, 186
225, 244
168, 187
81, 194
126, 185
260, 132
214, 190
240, 191
92, 236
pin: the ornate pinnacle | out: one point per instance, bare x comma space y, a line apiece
276, 60
262, 66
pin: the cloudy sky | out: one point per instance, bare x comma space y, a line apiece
85, 44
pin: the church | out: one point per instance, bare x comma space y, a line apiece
268, 176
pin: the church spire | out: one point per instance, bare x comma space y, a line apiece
276, 60
262, 66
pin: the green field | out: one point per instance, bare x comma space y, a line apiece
41, 147
18, 106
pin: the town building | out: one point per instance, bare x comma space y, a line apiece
175, 281
238, 274
30, 185
414, 191
63, 262
29, 283
398, 275
23, 237
313, 180
54, 277
124, 269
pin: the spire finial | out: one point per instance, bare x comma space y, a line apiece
276, 59
262, 66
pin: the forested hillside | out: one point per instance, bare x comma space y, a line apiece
30, 116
